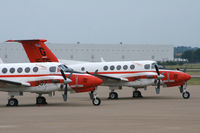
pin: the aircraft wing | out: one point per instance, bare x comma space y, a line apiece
15, 83
111, 77
128, 77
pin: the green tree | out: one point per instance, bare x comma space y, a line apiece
188, 55
196, 55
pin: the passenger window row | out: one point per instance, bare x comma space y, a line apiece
119, 67
19, 70
27, 69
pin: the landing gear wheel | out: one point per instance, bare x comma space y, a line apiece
12, 102
137, 94
113, 95
186, 95
96, 101
41, 100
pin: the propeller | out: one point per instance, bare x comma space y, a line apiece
95, 72
66, 81
160, 76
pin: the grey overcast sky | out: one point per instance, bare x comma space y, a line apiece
175, 22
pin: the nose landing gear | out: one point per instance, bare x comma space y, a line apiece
95, 100
183, 90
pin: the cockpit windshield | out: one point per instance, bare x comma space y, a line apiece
153, 66
65, 68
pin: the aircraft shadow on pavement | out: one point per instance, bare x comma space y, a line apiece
51, 105
147, 98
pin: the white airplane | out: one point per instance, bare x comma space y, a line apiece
44, 78
136, 74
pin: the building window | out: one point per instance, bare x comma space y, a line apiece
147, 66
52, 69
132, 67
27, 69
125, 67
118, 67
112, 67
35, 69
4, 70
105, 68
19, 70
12, 70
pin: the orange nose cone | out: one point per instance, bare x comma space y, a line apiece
187, 76
97, 81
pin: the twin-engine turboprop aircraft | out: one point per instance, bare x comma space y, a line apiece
44, 78
136, 74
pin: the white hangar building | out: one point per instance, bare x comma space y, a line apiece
14, 52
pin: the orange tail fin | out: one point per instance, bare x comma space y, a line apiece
37, 51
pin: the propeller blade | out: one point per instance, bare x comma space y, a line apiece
157, 70
158, 87
95, 73
65, 93
63, 74
69, 76
157, 90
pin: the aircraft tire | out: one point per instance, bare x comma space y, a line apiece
12, 102
96, 101
137, 94
41, 100
113, 95
186, 95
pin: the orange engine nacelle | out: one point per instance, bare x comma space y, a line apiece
84, 83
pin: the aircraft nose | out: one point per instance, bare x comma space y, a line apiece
187, 76
97, 81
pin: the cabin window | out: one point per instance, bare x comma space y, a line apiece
125, 67
132, 67
119, 67
12, 70
35, 69
112, 67
27, 69
82, 68
52, 69
105, 68
19, 70
147, 66
4, 70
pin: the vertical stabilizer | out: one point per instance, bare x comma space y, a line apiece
36, 50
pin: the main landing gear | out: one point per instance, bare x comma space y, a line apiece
95, 100
41, 100
113, 95
12, 101
137, 94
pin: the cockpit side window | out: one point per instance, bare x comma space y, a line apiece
52, 69
147, 66
153, 65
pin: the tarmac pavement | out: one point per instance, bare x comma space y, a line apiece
164, 113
